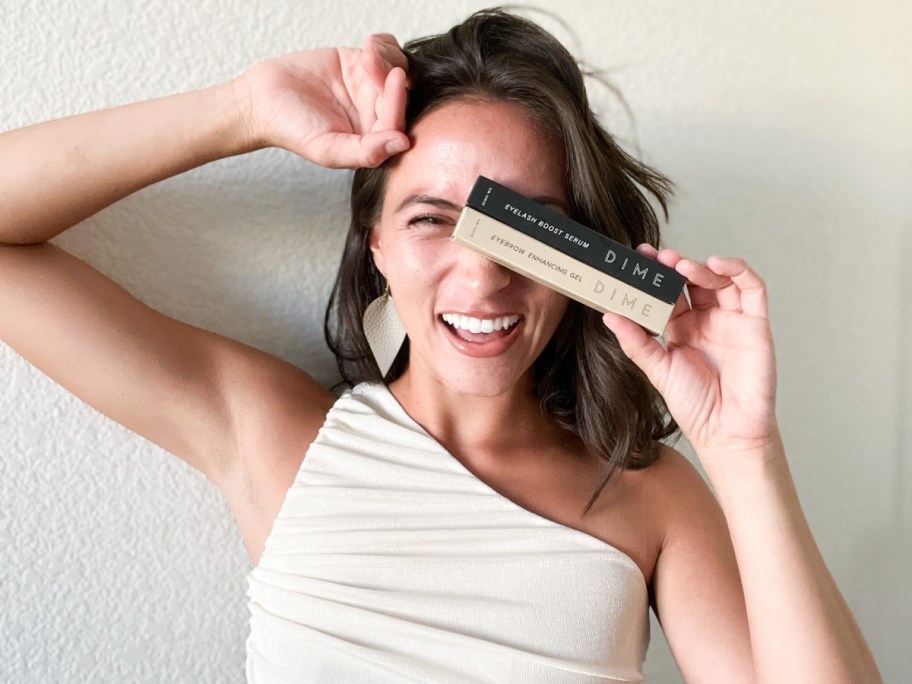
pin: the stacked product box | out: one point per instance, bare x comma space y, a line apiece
565, 255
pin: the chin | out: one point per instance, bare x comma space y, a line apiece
485, 381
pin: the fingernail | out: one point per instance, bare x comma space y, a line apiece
394, 147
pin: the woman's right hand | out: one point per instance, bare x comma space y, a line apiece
339, 108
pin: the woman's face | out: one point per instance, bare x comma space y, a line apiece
473, 326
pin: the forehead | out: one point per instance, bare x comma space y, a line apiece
455, 143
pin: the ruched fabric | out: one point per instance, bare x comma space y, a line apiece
391, 562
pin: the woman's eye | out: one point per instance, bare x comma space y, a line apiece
431, 221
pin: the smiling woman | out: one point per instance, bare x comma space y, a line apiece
498, 506
526, 102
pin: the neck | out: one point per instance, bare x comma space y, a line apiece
471, 424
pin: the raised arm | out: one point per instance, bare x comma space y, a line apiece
242, 417
336, 108
717, 375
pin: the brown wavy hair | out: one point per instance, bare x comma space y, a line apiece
584, 380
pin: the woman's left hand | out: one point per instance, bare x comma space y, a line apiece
717, 370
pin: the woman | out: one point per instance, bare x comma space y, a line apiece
501, 510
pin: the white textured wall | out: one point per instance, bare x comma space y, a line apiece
786, 128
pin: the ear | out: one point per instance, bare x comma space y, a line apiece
377, 249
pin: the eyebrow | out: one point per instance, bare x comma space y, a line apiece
441, 203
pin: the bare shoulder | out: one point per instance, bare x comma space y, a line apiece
664, 492
651, 501
685, 512
674, 484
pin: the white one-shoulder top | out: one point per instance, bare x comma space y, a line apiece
391, 562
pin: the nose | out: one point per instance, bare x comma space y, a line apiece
480, 275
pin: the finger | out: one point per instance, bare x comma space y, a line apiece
391, 51
352, 151
373, 63
709, 289
643, 349
682, 304
646, 249
667, 257
751, 286
700, 275
376, 148
380, 55
391, 105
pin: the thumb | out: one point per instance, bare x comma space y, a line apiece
377, 147
352, 151
643, 349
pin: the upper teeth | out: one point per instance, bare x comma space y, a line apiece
477, 325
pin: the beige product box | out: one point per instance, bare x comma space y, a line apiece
546, 265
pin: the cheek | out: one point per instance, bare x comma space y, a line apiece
417, 264
556, 304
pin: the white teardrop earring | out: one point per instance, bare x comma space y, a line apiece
384, 330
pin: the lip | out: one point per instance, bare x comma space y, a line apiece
480, 314
481, 350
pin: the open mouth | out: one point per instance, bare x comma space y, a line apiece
462, 324
481, 335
